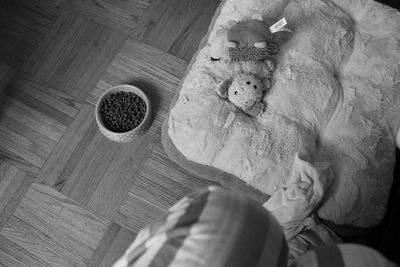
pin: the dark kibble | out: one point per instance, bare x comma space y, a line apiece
122, 111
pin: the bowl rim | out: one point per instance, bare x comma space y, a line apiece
128, 88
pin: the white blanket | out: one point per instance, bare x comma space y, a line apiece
336, 98
294, 207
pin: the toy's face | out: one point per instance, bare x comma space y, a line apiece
245, 91
248, 33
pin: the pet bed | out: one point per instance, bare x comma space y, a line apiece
335, 98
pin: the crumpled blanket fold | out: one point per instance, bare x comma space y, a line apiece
294, 207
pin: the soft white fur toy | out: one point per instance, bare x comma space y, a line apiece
246, 88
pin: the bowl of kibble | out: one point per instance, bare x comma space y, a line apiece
123, 113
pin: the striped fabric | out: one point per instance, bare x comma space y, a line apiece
213, 227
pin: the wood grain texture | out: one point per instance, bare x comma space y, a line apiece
33, 117
54, 228
69, 149
155, 72
91, 169
187, 42
23, 25
159, 185
95, 157
22, 147
13, 255
143, 65
68, 195
14, 183
26, 153
176, 26
50, 101
74, 55
161, 165
119, 15
40, 247
119, 176
114, 243
135, 213
6, 74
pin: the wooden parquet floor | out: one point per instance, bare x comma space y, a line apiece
68, 195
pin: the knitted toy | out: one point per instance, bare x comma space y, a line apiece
250, 40
244, 40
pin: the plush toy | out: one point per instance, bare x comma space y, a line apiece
250, 40
246, 47
249, 81
244, 91
244, 40
218, 49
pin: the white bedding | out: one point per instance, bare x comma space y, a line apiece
336, 98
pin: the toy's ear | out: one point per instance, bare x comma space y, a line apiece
230, 23
223, 88
266, 84
262, 44
257, 17
231, 44
255, 110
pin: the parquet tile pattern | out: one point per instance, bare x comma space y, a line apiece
23, 26
54, 228
68, 195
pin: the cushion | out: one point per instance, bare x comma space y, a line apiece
335, 99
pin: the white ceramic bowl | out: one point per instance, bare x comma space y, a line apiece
132, 134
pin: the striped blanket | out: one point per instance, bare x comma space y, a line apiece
216, 227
